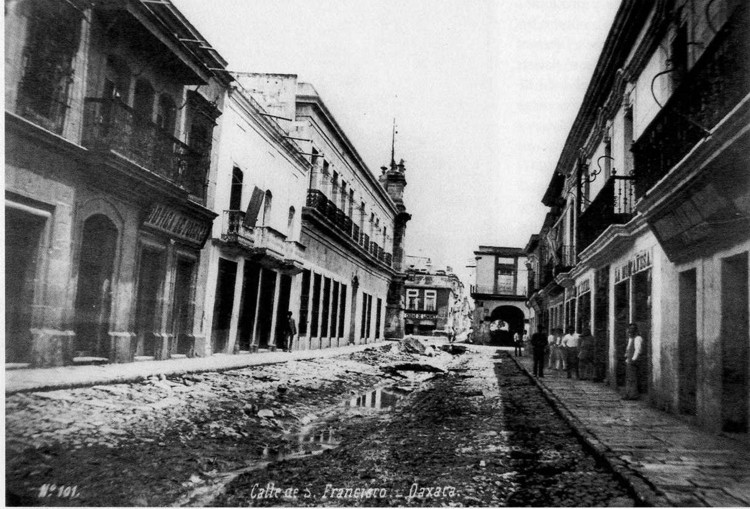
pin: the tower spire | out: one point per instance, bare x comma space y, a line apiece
393, 144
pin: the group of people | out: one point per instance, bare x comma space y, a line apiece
571, 352
575, 354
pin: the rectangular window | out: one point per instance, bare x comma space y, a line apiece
377, 318
334, 309
315, 306
412, 299
326, 306
430, 300
342, 310
304, 302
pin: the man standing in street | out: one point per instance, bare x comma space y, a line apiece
633, 356
539, 345
290, 330
570, 345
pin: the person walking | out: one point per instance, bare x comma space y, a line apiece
633, 361
290, 330
570, 343
539, 345
586, 355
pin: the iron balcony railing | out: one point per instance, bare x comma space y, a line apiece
109, 124
233, 231
318, 201
706, 94
615, 204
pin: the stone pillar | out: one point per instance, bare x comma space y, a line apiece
50, 347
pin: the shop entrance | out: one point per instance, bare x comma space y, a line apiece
147, 308
622, 312
223, 304
94, 291
687, 343
266, 307
23, 233
285, 289
601, 324
642, 317
249, 303
734, 344
182, 308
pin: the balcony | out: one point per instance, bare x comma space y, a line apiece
708, 92
110, 125
233, 232
263, 242
338, 219
615, 204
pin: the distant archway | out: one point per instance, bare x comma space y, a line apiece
504, 322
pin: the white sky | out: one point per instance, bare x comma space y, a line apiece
484, 93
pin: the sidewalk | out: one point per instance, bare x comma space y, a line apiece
66, 377
665, 460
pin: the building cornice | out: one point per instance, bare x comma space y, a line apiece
317, 104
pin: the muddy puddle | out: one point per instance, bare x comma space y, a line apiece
313, 439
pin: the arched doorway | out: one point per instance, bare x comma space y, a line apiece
94, 294
504, 322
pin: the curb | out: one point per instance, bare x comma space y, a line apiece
642, 490
167, 369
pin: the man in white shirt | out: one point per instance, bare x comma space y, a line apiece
633, 361
570, 344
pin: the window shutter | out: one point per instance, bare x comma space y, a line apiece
253, 208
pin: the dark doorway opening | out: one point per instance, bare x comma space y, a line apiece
182, 320
266, 307
285, 289
249, 303
734, 344
687, 343
94, 292
622, 313
642, 317
23, 235
147, 307
223, 304
601, 323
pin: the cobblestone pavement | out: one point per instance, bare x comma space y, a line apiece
669, 461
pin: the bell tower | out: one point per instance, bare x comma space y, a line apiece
393, 180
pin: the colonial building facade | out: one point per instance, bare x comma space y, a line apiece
499, 294
649, 209
435, 301
258, 191
157, 207
352, 224
110, 120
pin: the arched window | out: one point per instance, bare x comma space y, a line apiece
235, 195
166, 114
290, 223
267, 202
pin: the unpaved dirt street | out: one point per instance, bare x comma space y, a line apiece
461, 430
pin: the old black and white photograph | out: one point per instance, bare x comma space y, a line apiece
377, 253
